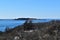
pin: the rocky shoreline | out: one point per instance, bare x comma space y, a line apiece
33, 31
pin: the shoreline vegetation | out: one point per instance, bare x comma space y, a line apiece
33, 31
26, 19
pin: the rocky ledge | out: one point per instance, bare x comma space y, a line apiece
33, 31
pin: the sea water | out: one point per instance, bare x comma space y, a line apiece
10, 23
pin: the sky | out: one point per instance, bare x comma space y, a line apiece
44, 9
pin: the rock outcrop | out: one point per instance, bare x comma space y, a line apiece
34, 31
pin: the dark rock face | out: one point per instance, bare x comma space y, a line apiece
37, 31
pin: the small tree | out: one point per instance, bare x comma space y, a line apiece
28, 25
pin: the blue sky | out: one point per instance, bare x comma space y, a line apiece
30, 8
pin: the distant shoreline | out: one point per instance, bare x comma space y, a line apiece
26, 19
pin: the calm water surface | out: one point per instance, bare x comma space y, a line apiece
10, 23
